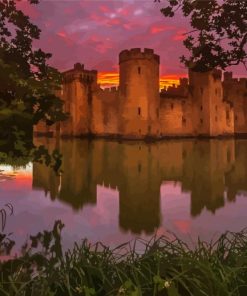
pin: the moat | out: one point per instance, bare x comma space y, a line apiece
113, 192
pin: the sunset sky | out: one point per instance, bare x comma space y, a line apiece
94, 32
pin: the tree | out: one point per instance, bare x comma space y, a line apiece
219, 32
27, 84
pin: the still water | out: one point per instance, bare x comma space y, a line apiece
114, 192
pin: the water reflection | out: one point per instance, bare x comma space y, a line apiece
211, 171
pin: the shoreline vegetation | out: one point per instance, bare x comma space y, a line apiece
164, 266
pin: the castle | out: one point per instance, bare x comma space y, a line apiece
202, 105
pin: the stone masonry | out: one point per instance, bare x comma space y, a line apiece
202, 105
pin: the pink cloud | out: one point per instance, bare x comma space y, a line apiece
104, 8
62, 34
97, 18
70, 36
127, 26
180, 35
160, 28
103, 47
68, 11
48, 24
113, 22
124, 11
70, 39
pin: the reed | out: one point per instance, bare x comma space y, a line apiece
161, 266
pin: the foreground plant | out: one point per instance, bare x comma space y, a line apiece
218, 35
163, 267
28, 86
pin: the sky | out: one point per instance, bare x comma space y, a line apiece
93, 32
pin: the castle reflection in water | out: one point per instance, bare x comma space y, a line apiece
212, 171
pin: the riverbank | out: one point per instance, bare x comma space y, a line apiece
163, 267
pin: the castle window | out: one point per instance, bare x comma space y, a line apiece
183, 121
236, 118
201, 107
149, 128
140, 131
139, 111
139, 70
201, 90
201, 120
172, 106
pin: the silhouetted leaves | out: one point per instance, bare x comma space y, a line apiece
219, 35
27, 83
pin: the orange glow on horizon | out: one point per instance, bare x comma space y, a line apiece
20, 176
109, 79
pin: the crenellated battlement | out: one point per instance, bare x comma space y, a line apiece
79, 67
137, 53
113, 89
79, 73
184, 81
204, 78
179, 91
173, 93
236, 82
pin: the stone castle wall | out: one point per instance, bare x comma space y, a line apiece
105, 117
211, 114
235, 91
202, 105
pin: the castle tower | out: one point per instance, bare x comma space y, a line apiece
211, 115
235, 92
78, 86
139, 93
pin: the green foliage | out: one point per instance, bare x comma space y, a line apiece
27, 83
219, 32
163, 267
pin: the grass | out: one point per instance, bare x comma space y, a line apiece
164, 267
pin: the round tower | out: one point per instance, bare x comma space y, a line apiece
139, 92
